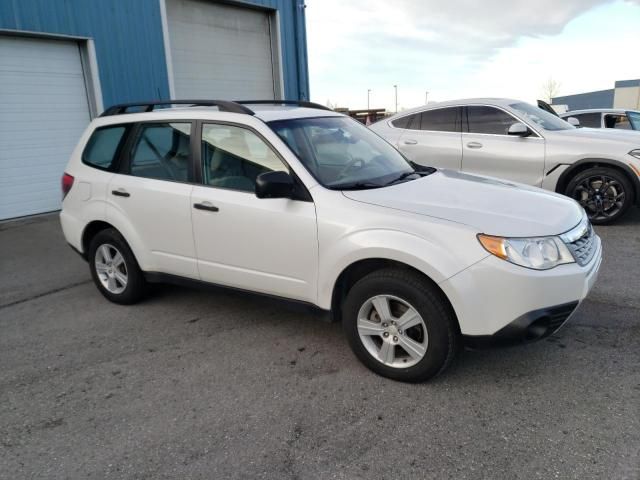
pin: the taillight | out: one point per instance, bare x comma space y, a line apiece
67, 183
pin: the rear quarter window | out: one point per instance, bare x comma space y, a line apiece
103, 146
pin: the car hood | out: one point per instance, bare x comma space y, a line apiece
609, 134
491, 206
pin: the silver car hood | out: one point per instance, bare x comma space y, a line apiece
609, 134
491, 206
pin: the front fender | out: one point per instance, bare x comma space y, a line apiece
430, 256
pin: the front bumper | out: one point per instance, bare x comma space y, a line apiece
499, 302
529, 327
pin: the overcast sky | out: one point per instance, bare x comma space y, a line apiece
467, 48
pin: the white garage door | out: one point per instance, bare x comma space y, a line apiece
43, 112
220, 51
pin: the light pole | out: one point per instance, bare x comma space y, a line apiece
426, 97
368, 93
396, 89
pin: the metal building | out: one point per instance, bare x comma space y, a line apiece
63, 61
625, 94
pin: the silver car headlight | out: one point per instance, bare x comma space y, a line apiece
635, 153
538, 253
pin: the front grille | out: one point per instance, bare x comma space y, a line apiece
584, 247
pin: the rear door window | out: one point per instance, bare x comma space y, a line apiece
618, 121
103, 147
162, 151
440, 120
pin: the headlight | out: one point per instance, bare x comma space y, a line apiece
539, 253
635, 153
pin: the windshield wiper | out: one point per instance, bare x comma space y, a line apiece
402, 177
356, 186
423, 171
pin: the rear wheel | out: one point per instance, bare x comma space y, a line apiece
114, 268
399, 325
604, 193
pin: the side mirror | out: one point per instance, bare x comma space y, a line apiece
274, 185
573, 121
519, 129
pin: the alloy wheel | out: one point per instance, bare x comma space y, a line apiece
111, 268
392, 331
601, 196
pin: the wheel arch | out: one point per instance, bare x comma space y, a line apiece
358, 269
587, 163
92, 229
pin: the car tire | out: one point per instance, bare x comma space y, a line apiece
373, 315
606, 205
114, 268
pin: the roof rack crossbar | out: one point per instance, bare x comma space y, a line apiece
223, 106
299, 103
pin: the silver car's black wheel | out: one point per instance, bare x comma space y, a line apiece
604, 193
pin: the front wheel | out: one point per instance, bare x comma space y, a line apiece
399, 325
604, 193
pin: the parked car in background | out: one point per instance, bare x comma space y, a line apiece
606, 118
516, 141
299, 202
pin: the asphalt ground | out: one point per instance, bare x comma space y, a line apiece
216, 385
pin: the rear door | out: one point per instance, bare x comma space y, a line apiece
487, 148
432, 137
150, 196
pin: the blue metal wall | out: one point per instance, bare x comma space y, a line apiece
129, 42
598, 99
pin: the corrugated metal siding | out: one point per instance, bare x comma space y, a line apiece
127, 36
129, 42
580, 101
293, 39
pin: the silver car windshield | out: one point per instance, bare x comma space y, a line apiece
341, 153
634, 117
540, 118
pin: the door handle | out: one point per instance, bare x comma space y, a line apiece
205, 206
120, 193
410, 142
474, 145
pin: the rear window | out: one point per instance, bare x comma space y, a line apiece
102, 148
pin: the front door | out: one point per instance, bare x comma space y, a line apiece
487, 149
263, 245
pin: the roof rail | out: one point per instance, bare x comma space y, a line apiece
299, 103
223, 106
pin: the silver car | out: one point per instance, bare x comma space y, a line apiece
616, 118
514, 140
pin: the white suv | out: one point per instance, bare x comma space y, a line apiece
520, 142
296, 201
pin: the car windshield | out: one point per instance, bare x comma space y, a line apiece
634, 117
341, 153
539, 117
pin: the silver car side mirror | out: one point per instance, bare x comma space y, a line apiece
519, 129
573, 121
